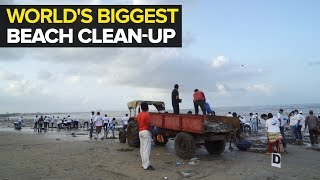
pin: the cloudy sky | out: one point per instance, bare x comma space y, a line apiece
238, 52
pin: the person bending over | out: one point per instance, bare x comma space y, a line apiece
199, 100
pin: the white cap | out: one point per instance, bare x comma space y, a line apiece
300, 112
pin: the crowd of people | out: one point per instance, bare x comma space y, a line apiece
98, 122
276, 126
46, 122
95, 122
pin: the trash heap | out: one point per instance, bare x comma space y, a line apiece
217, 127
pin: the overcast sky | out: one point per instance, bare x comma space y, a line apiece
238, 52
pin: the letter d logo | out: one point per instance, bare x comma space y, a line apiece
276, 160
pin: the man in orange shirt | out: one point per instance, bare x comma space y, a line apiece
199, 100
144, 122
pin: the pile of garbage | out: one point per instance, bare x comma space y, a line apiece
217, 127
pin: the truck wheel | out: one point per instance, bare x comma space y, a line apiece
122, 136
215, 147
165, 138
184, 145
133, 134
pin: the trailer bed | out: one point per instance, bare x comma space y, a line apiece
198, 124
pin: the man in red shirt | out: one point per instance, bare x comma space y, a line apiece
144, 122
199, 100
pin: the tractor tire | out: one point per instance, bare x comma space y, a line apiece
184, 145
123, 136
215, 147
133, 134
156, 142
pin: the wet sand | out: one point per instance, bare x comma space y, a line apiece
57, 155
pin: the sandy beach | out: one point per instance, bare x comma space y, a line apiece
197, 78
58, 155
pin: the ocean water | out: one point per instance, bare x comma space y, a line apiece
243, 111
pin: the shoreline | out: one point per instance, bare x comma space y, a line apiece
297, 105
67, 157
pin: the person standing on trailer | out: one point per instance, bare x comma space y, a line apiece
208, 109
199, 100
175, 99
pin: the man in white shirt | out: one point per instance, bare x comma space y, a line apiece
254, 122
105, 124
111, 126
49, 121
69, 122
293, 124
274, 135
283, 121
300, 123
242, 119
59, 123
52, 122
18, 123
303, 121
125, 122
35, 121
98, 123
92, 118
272, 124
46, 120
55, 121
65, 123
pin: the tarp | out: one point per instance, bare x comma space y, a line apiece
158, 104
